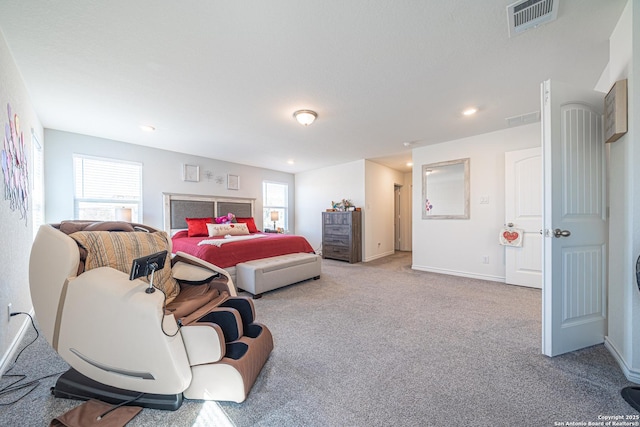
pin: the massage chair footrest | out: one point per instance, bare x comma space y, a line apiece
73, 385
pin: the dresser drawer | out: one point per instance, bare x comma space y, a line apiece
332, 239
341, 230
336, 252
338, 218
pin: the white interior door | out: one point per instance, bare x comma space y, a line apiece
574, 287
523, 209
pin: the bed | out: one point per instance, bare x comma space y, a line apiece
179, 207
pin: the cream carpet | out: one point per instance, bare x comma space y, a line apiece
378, 344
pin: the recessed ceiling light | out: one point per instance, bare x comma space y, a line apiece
470, 111
147, 128
290, 162
409, 164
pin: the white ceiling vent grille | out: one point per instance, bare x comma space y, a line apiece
525, 14
523, 119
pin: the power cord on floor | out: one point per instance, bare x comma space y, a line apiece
15, 386
119, 405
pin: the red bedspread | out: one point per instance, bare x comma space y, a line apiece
230, 254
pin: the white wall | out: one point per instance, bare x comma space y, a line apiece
161, 172
633, 178
458, 246
316, 189
370, 186
378, 230
406, 195
623, 338
17, 233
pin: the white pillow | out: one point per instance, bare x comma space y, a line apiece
233, 229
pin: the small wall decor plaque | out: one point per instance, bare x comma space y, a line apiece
191, 173
615, 112
233, 182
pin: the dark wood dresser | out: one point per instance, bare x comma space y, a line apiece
342, 236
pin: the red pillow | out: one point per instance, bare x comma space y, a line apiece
180, 234
197, 227
251, 224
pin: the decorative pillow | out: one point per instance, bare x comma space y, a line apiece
251, 224
119, 249
197, 226
224, 229
225, 219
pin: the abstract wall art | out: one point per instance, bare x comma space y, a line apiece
15, 170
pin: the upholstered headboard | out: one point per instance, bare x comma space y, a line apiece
177, 207
239, 209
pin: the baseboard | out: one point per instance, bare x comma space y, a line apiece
8, 356
631, 374
459, 273
371, 258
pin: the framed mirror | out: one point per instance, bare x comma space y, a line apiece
445, 190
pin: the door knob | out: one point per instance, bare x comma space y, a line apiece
561, 233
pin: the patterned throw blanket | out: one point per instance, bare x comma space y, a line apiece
229, 239
118, 250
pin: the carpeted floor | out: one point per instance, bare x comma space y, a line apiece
378, 344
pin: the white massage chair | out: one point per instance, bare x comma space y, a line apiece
122, 339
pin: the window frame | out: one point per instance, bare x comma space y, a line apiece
136, 216
267, 208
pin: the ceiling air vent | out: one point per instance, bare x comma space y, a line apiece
523, 119
525, 14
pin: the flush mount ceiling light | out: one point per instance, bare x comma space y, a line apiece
305, 117
470, 111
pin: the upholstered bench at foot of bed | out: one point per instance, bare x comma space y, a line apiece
267, 274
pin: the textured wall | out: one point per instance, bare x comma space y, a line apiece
161, 172
16, 232
316, 189
457, 246
623, 337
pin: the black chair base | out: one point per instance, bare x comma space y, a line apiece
632, 396
73, 385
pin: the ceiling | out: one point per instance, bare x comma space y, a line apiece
221, 79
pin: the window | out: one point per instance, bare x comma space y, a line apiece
275, 197
107, 189
38, 183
